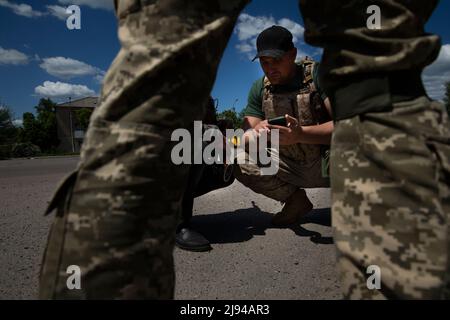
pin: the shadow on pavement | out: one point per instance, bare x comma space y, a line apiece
241, 225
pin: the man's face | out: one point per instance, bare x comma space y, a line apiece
279, 71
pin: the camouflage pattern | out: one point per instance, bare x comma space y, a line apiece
390, 176
300, 164
298, 104
117, 215
291, 176
118, 223
390, 151
353, 50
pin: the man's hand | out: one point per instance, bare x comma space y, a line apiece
294, 133
253, 134
261, 126
290, 134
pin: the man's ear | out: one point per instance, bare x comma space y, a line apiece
293, 53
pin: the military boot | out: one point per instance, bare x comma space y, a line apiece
296, 206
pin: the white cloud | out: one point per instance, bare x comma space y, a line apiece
21, 9
249, 27
437, 74
244, 47
18, 123
296, 29
67, 68
11, 56
60, 90
95, 4
58, 12
99, 77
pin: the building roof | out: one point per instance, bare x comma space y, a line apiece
88, 102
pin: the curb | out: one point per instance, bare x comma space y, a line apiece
43, 157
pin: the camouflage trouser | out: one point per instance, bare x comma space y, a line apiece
117, 217
118, 225
290, 177
390, 176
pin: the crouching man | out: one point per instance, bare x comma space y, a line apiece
291, 90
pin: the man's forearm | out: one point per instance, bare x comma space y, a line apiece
318, 134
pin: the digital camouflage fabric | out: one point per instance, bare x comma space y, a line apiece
117, 215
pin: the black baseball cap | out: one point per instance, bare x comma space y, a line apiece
273, 42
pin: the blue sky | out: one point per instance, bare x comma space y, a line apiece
40, 57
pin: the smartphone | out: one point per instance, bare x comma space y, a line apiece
278, 121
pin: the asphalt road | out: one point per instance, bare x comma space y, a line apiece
250, 258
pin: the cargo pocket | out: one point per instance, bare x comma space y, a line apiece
63, 192
51, 260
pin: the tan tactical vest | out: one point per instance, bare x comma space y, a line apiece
304, 104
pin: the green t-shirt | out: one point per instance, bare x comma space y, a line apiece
255, 96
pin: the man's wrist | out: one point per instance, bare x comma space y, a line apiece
299, 132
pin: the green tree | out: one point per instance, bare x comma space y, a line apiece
241, 117
30, 131
46, 117
233, 116
82, 117
8, 131
41, 130
447, 97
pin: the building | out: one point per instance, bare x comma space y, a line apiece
70, 132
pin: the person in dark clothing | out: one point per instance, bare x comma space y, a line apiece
202, 179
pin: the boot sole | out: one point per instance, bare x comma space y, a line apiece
194, 249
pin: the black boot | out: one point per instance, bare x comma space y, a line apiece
191, 240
